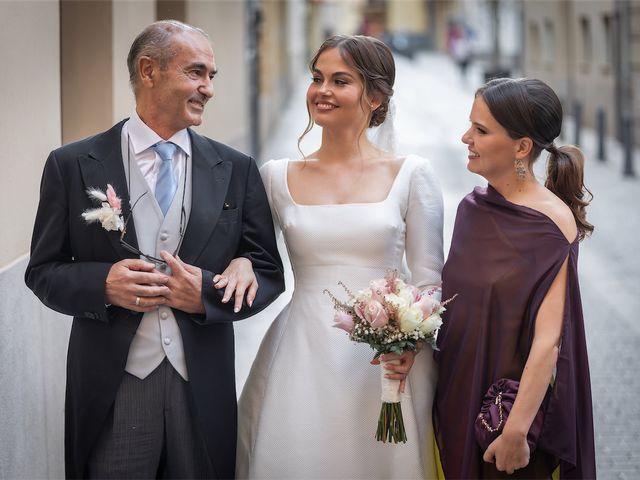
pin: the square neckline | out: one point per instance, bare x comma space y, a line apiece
384, 200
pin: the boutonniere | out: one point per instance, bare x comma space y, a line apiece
109, 214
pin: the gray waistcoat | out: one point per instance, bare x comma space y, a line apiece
158, 334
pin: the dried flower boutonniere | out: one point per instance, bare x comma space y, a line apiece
109, 214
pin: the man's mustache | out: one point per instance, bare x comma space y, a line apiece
200, 99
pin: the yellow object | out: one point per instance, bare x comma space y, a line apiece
436, 456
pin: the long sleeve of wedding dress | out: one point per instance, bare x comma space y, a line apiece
424, 220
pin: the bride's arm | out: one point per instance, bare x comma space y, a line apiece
267, 174
424, 220
423, 246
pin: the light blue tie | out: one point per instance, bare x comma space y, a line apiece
166, 184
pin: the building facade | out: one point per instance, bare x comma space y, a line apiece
589, 52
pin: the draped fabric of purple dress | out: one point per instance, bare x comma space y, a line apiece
502, 261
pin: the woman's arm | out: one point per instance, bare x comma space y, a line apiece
510, 450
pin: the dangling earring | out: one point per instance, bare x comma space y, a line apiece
521, 172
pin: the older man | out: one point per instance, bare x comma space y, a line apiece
150, 370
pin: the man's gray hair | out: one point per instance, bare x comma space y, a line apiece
155, 42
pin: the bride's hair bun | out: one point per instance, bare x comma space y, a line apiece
379, 115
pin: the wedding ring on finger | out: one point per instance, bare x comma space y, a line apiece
137, 301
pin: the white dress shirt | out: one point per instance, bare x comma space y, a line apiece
142, 139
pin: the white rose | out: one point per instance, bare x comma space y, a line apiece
430, 324
396, 301
364, 293
110, 219
409, 318
407, 295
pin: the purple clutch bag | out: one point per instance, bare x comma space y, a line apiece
494, 412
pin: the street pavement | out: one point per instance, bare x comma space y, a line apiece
432, 110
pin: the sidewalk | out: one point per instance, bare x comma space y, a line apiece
433, 105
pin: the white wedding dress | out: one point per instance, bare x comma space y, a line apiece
310, 406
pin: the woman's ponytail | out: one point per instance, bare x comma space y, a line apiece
565, 178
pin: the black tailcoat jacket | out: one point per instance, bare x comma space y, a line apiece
70, 260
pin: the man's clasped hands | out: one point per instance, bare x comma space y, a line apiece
138, 285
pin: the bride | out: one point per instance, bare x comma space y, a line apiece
349, 211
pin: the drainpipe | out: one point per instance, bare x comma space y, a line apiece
254, 23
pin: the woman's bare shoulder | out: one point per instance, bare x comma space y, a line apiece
559, 212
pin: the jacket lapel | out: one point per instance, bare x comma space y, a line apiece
102, 165
210, 181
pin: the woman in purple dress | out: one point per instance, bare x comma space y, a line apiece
518, 314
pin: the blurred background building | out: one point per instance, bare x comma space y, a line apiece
590, 53
65, 77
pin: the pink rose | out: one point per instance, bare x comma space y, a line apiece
379, 289
343, 321
428, 305
112, 198
375, 314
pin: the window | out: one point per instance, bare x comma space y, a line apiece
586, 43
549, 43
534, 44
607, 44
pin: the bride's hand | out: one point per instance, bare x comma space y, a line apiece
238, 277
398, 371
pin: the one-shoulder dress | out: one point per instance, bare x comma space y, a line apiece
502, 262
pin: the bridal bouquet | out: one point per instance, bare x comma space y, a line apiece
390, 316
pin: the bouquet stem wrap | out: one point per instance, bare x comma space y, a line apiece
390, 423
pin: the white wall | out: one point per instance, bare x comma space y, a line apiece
33, 343
29, 114
129, 18
226, 118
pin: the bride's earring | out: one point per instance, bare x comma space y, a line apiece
521, 172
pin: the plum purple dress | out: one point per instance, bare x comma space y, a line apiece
503, 260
